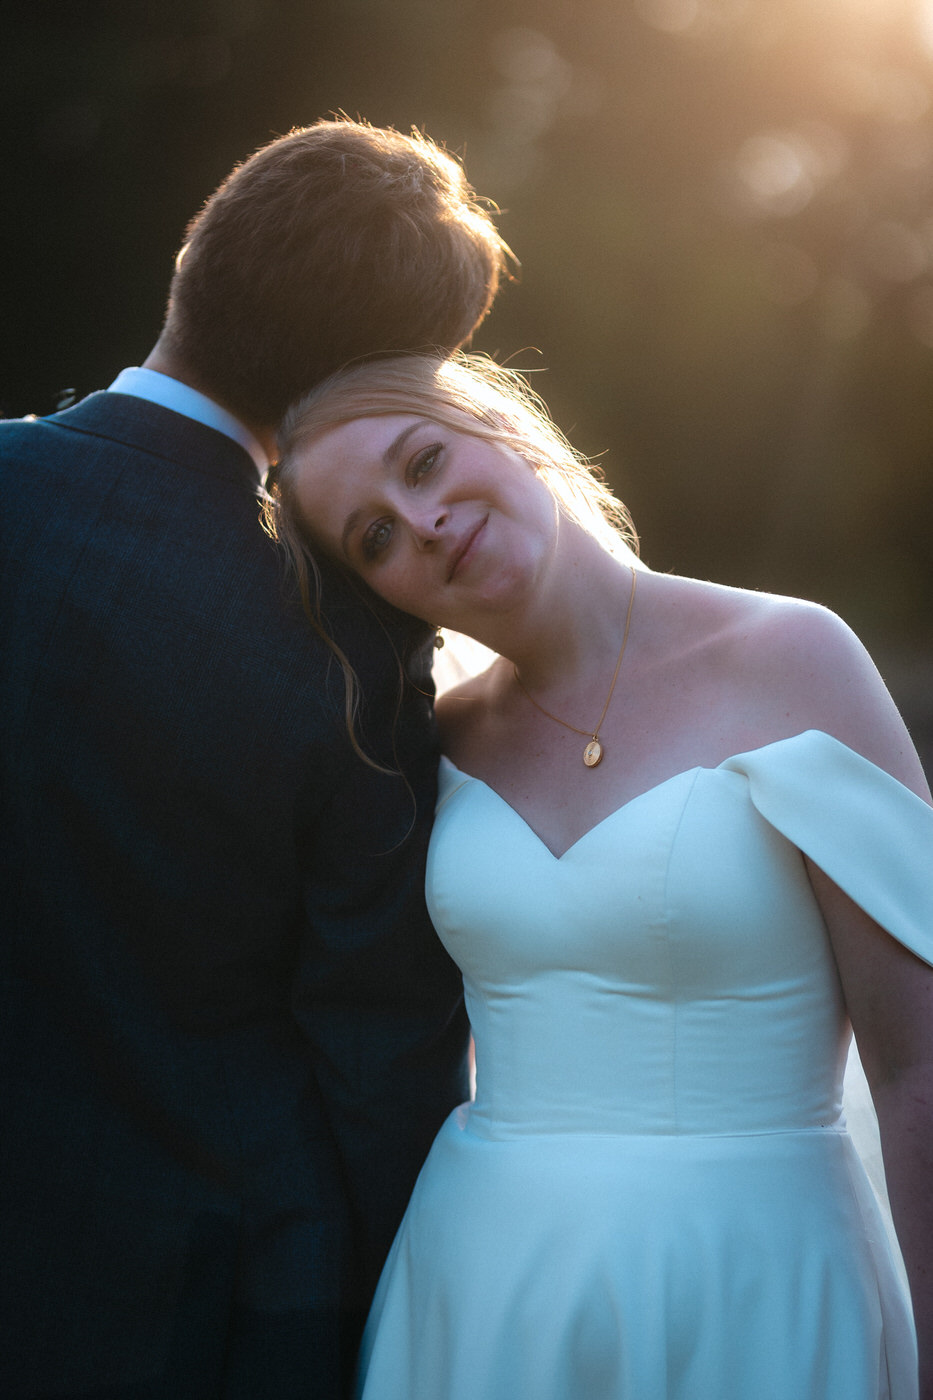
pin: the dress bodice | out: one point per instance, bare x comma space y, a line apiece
671, 972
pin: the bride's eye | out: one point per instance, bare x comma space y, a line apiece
423, 462
376, 539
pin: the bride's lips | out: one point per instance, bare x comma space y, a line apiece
464, 548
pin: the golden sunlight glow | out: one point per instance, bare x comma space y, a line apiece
692, 18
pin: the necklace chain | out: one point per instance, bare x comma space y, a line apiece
593, 753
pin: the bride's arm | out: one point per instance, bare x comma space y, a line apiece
889, 994
887, 988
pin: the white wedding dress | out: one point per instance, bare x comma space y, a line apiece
654, 1195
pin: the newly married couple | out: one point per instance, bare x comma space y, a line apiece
681, 838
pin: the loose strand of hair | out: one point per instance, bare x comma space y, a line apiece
306, 572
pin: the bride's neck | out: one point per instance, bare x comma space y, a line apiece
576, 622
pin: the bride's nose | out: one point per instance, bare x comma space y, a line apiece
427, 523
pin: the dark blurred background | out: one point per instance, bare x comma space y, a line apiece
723, 210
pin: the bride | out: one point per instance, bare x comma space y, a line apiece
682, 843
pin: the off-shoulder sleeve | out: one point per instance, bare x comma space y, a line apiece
871, 835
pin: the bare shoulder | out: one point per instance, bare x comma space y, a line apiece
827, 680
802, 667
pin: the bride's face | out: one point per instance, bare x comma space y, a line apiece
442, 524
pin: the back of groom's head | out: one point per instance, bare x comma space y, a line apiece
336, 241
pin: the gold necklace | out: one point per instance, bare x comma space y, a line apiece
593, 753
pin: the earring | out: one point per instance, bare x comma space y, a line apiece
438, 639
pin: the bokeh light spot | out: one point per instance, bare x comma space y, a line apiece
777, 173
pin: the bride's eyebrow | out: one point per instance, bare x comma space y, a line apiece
390, 460
396, 446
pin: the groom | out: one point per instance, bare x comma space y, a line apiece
228, 1032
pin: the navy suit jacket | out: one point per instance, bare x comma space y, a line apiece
228, 1032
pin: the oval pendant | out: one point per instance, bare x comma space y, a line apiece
593, 753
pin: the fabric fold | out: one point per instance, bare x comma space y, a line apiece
855, 821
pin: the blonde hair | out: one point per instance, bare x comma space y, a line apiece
467, 393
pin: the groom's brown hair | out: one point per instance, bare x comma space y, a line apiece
337, 241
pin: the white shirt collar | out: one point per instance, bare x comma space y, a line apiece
181, 398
